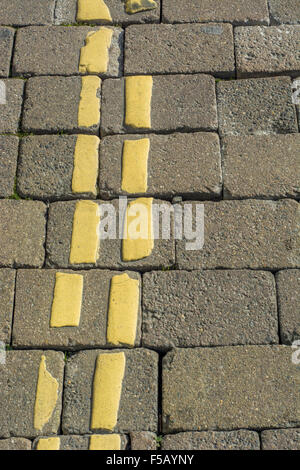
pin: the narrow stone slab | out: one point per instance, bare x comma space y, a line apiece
281, 439
143, 440
26, 12
6, 45
11, 111
288, 285
8, 164
230, 387
15, 443
81, 442
284, 11
212, 440
138, 402
159, 49
7, 293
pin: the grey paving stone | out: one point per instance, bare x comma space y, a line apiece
288, 285
6, 45
212, 440
256, 106
267, 50
143, 440
208, 308
185, 164
22, 233
232, 11
230, 387
138, 403
8, 164
261, 166
7, 293
284, 11
33, 303
246, 234
281, 439
76, 442
26, 12
159, 49
48, 50
18, 380
11, 111
15, 443
173, 105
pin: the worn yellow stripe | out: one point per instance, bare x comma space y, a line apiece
50, 443
135, 165
94, 56
85, 234
89, 104
92, 10
107, 388
135, 6
46, 396
85, 167
105, 442
67, 299
138, 94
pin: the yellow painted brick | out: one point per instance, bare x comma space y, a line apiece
46, 396
94, 56
67, 299
89, 104
85, 167
105, 442
85, 234
135, 165
138, 95
92, 10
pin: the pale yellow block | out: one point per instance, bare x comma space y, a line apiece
89, 104
85, 234
138, 93
123, 310
92, 10
105, 442
135, 165
85, 167
135, 6
66, 305
107, 388
46, 396
94, 55
138, 241
50, 443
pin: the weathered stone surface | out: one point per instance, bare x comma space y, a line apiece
11, 111
138, 404
288, 285
143, 440
15, 443
18, 380
185, 164
261, 166
158, 49
26, 12
8, 164
212, 440
284, 11
246, 234
7, 292
230, 387
281, 439
256, 106
263, 50
6, 45
76, 442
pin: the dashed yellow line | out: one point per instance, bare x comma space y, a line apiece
92, 10
135, 165
105, 442
89, 104
50, 443
94, 56
67, 299
85, 166
138, 95
85, 233
46, 396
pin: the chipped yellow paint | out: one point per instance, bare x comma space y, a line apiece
135, 165
50, 443
89, 104
92, 10
94, 55
138, 95
46, 396
105, 442
123, 310
138, 239
85, 233
67, 299
135, 6
85, 167
107, 388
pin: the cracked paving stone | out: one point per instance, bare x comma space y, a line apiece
11, 110
6, 46
7, 293
281, 439
72, 442
212, 440
284, 11
8, 164
15, 443
288, 285
26, 12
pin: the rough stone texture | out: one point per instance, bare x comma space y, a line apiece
232, 11
26, 12
185, 164
179, 103
41, 50
288, 285
246, 234
22, 233
51, 106
8, 164
18, 382
210, 308
138, 404
261, 166
281, 439
264, 50
6, 45
7, 292
11, 111
143, 440
15, 443
284, 11
155, 49
34, 296
211, 440
256, 106
77, 442
230, 387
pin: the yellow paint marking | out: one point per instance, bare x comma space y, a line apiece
85, 167
123, 310
94, 55
92, 10
85, 235
89, 104
46, 396
138, 239
107, 388
105, 442
138, 95
50, 443
66, 305
135, 165
135, 6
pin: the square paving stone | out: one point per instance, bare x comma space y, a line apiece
138, 401
11, 110
261, 166
185, 164
7, 293
143, 440
22, 233
212, 440
6, 45
284, 11
159, 49
8, 164
19, 379
230, 387
73, 442
281, 439
179, 103
41, 50
245, 234
256, 106
26, 12
288, 285
208, 308
15, 443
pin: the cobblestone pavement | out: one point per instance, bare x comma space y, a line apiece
111, 344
